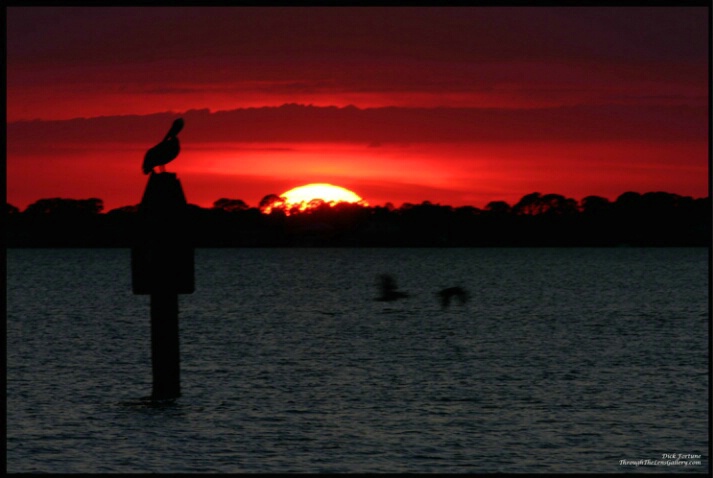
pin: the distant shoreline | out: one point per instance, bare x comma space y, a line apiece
655, 219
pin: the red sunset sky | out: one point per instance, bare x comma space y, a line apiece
454, 105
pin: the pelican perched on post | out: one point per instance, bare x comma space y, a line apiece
165, 151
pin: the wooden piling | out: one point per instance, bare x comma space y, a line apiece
162, 266
165, 347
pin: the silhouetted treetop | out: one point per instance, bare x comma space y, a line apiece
270, 202
498, 207
595, 205
230, 205
63, 206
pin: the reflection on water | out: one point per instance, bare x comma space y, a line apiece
563, 360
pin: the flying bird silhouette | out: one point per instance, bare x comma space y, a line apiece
165, 151
389, 291
448, 293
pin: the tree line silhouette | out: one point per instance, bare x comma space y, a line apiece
649, 219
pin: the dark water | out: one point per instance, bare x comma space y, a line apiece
564, 360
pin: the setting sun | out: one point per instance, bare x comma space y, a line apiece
301, 196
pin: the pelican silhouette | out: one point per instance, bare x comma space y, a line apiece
165, 151
448, 293
389, 291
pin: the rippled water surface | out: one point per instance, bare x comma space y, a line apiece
564, 360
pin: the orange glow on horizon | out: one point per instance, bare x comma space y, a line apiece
455, 175
313, 195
